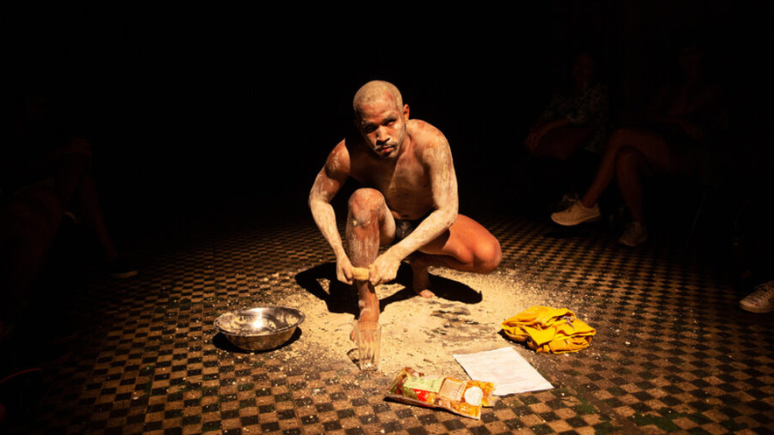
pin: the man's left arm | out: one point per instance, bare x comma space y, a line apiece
437, 160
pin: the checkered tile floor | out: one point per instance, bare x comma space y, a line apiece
674, 354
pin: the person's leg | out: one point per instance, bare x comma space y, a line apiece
552, 157
631, 165
560, 143
637, 150
369, 224
28, 226
466, 246
88, 204
70, 170
652, 146
76, 188
78, 191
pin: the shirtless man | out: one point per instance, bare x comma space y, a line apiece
408, 200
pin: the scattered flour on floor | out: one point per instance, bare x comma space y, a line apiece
424, 333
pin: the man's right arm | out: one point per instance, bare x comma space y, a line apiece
328, 182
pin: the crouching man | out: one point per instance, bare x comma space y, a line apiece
408, 201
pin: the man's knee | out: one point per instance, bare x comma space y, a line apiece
365, 204
488, 256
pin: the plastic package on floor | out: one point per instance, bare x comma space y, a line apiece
461, 397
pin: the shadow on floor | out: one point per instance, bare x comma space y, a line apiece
342, 298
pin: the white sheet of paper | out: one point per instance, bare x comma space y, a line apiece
505, 368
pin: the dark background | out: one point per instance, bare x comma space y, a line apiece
195, 108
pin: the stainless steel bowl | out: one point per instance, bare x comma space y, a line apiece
259, 328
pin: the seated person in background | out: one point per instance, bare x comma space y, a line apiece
573, 119
44, 176
568, 137
753, 234
684, 118
43, 149
408, 201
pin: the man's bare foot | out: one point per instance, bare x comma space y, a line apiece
421, 282
366, 315
352, 334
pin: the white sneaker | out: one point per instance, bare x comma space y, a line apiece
761, 300
567, 200
634, 234
576, 214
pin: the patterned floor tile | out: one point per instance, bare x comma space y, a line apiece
673, 352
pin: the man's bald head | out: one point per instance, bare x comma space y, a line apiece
374, 91
381, 117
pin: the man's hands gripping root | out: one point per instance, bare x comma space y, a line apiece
383, 270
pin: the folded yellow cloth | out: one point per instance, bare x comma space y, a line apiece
550, 330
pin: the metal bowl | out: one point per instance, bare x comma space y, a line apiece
259, 328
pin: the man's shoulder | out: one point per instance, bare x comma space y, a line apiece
418, 126
425, 135
348, 144
353, 145
349, 152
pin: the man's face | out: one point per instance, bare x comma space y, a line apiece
383, 125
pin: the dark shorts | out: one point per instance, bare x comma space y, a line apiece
404, 227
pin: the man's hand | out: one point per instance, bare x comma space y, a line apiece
344, 270
384, 269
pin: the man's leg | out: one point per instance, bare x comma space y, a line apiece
466, 246
369, 223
